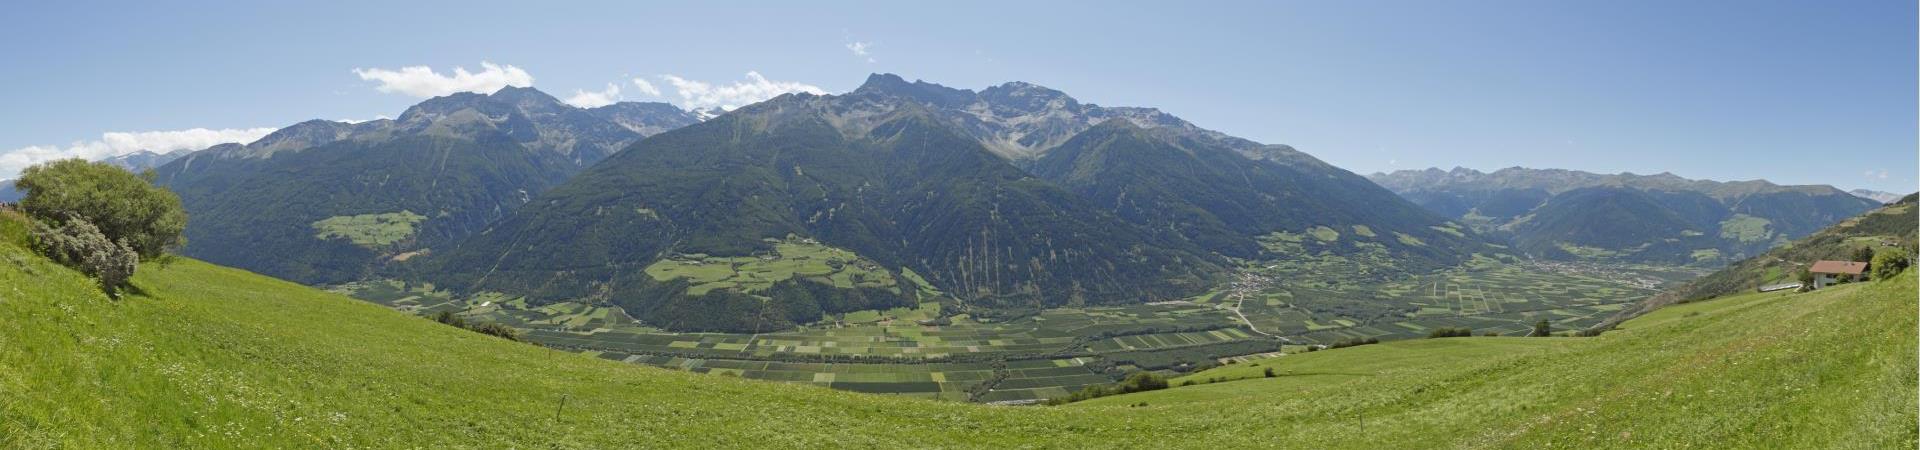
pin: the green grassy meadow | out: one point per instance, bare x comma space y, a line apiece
791, 258
201, 356
374, 231
1830, 369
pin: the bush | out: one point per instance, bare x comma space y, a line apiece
1888, 263
1137, 382
498, 330
449, 318
1542, 328
1269, 372
80, 245
1143, 381
128, 209
487, 328
1447, 332
1353, 342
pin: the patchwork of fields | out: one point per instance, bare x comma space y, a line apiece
1054, 352
1328, 298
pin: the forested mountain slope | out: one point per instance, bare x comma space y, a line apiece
327, 202
906, 194
926, 185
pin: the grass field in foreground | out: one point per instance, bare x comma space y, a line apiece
1834, 368
211, 357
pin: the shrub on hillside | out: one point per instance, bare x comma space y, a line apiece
128, 209
1447, 332
1353, 342
449, 318
1542, 328
1888, 263
80, 245
1137, 382
498, 330
488, 328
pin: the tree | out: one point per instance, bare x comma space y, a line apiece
1269, 372
1543, 328
1863, 254
1887, 264
126, 208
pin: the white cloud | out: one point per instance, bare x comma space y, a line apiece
584, 99
1879, 175
696, 94
422, 81
645, 87
118, 143
861, 49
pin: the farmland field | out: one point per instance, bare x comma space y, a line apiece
1327, 298
373, 231
791, 258
937, 351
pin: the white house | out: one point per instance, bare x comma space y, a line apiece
1830, 272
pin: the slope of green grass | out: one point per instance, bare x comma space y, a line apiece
1831, 369
202, 356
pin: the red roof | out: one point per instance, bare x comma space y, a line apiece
1841, 267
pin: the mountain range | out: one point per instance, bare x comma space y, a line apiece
1878, 196
328, 202
143, 160
1662, 218
1886, 228
1014, 197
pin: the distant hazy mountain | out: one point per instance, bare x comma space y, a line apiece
1122, 205
1664, 218
646, 118
1878, 196
142, 160
323, 201
135, 162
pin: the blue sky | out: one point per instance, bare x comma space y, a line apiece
1794, 92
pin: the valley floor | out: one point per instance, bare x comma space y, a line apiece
1311, 299
210, 357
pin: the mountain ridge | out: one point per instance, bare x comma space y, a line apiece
908, 175
443, 169
1567, 214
